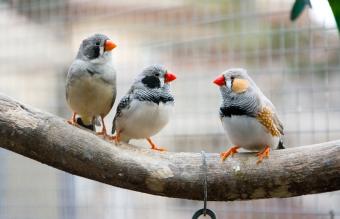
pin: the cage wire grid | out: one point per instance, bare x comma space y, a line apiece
295, 65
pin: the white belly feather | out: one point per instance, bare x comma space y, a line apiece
248, 133
90, 96
143, 119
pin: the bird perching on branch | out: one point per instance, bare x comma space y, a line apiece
49, 140
146, 108
91, 82
247, 115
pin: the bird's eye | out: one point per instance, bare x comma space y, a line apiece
232, 77
157, 74
98, 43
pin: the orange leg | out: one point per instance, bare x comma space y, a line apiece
103, 131
72, 121
154, 146
230, 152
115, 138
263, 154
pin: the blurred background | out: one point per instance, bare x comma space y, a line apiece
295, 64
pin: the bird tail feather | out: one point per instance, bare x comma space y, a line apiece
86, 124
281, 145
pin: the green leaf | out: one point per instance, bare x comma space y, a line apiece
298, 8
335, 5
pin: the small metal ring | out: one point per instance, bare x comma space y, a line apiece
208, 212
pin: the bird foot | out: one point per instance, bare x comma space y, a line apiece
230, 152
154, 146
104, 134
158, 149
263, 154
73, 123
114, 138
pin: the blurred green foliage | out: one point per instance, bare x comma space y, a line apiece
300, 5
298, 8
335, 5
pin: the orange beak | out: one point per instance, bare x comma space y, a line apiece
219, 80
109, 45
169, 77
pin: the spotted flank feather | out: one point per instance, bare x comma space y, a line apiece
270, 121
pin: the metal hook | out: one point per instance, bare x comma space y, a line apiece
204, 211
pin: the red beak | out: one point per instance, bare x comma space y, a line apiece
169, 77
219, 80
109, 45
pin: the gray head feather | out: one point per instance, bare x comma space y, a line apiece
92, 47
249, 101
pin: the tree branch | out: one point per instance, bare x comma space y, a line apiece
50, 140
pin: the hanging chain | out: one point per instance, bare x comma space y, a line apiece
204, 211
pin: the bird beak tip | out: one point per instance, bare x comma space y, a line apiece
169, 77
219, 80
109, 45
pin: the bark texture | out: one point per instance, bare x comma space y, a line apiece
50, 140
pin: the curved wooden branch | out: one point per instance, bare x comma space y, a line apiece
50, 140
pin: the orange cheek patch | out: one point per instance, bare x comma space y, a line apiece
240, 85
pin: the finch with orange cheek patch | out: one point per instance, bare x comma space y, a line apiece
248, 117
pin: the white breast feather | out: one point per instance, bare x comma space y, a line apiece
90, 96
247, 132
143, 119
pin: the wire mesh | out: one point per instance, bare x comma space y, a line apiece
295, 64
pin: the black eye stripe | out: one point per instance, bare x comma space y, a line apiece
96, 52
92, 52
151, 81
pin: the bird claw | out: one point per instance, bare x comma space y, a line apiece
73, 123
263, 154
154, 146
114, 138
230, 152
158, 149
104, 134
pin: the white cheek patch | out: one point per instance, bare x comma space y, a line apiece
229, 83
101, 50
162, 82
103, 56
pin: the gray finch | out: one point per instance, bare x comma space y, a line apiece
91, 82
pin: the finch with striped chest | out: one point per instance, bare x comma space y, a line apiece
146, 108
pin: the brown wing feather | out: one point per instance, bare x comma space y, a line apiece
278, 123
270, 121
